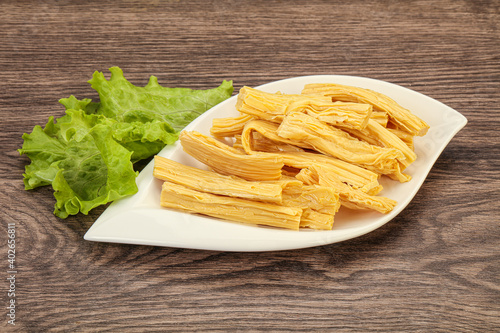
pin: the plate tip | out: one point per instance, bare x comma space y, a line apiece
88, 235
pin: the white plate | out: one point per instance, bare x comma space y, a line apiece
139, 219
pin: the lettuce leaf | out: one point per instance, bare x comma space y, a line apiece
87, 155
78, 156
176, 106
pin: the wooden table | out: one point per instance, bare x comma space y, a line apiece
435, 267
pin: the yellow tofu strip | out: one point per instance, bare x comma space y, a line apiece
355, 176
385, 138
337, 143
273, 107
403, 136
261, 143
227, 160
262, 105
228, 127
215, 183
312, 219
401, 116
352, 174
349, 115
349, 197
380, 117
234, 209
322, 199
269, 130
319, 204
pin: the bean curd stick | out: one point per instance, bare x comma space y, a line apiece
273, 107
385, 138
234, 209
337, 143
228, 160
401, 116
354, 175
322, 199
228, 127
215, 183
349, 115
403, 136
269, 130
319, 204
380, 117
312, 219
349, 197
261, 143
262, 105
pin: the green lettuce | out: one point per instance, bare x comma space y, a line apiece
87, 155
121, 100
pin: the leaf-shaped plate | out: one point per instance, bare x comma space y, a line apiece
140, 219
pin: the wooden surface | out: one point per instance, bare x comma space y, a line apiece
435, 267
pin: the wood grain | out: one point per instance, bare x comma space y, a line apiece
435, 267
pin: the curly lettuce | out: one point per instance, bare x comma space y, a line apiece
87, 155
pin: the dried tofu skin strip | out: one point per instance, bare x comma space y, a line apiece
403, 136
312, 219
262, 105
273, 107
401, 116
352, 174
235, 209
380, 117
322, 199
349, 197
228, 160
215, 183
385, 138
337, 143
286, 182
268, 130
319, 204
349, 115
261, 143
229, 127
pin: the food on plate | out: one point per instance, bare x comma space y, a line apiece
228, 127
216, 183
401, 117
207, 192
274, 107
235, 209
228, 160
327, 148
380, 117
349, 197
378, 135
88, 155
332, 141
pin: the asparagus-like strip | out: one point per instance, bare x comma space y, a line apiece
228, 127
228, 160
377, 134
273, 107
215, 183
234, 209
401, 116
349, 197
337, 143
352, 174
